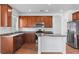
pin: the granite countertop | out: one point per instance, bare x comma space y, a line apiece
51, 35
16, 33
55, 35
7, 34
38, 34
11, 34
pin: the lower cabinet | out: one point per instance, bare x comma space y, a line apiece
0, 44
52, 44
18, 41
9, 44
29, 37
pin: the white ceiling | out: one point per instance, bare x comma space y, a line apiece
51, 8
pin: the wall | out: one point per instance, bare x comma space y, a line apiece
57, 24
66, 17
15, 20
14, 27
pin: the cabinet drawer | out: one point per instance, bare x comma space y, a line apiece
7, 45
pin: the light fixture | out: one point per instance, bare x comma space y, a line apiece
29, 10
49, 4
43, 10
46, 10
61, 10
9, 10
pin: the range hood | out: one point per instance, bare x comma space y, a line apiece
39, 25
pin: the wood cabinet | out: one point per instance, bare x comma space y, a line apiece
23, 21
0, 44
48, 21
5, 15
10, 44
30, 21
18, 41
7, 45
29, 37
75, 16
0, 15
33, 21
9, 17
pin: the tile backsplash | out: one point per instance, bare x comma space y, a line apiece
35, 29
4, 30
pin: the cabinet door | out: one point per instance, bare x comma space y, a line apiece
18, 41
53, 44
9, 19
74, 16
29, 38
78, 15
0, 15
0, 44
4, 15
45, 19
33, 21
7, 45
42, 19
29, 22
49, 21
23, 21
38, 18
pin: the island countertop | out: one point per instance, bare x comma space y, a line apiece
51, 35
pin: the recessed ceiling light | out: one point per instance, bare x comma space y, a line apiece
61, 10
46, 10
29, 10
49, 4
43, 10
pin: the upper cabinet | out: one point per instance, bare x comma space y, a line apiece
75, 16
23, 21
5, 15
30, 21
48, 21
9, 16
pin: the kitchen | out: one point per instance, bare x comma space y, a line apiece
35, 28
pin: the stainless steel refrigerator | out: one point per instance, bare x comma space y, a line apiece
73, 34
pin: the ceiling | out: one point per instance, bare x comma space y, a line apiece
44, 8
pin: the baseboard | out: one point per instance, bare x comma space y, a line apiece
51, 53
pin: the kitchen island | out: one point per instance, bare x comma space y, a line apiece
47, 43
51, 43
